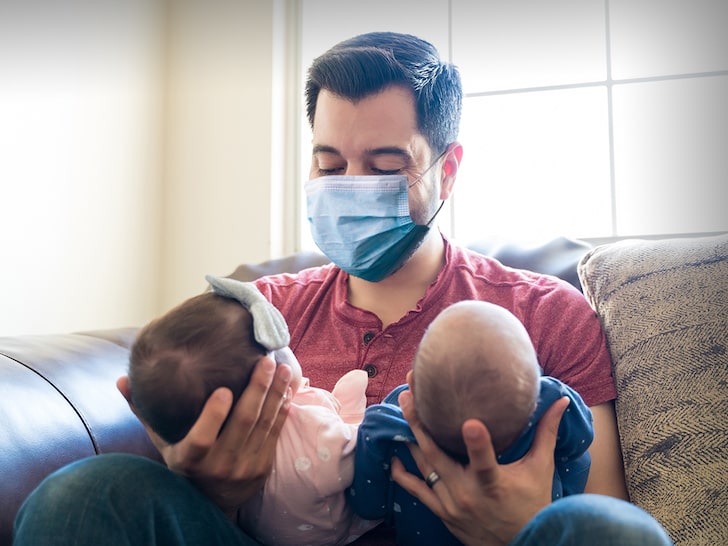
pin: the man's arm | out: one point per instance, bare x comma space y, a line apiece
606, 475
232, 465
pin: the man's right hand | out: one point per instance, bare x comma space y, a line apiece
482, 502
231, 466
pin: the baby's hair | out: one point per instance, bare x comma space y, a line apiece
475, 361
179, 359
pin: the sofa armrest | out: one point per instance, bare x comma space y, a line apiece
664, 307
59, 403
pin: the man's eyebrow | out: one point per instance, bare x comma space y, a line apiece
390, 150
384, 150
324, 149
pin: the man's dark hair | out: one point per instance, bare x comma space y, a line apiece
179, 359
369, 63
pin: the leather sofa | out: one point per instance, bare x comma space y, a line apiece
59, 403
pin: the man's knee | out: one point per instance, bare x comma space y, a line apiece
606, 521
98, 475
84, 489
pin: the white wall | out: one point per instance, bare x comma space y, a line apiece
135, 155
218, 141
79, 164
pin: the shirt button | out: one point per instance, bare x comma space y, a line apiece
368, 337
371, 370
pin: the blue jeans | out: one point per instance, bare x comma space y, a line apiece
596, 520
125, 500
122, 500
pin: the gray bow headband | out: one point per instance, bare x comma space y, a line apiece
269, 326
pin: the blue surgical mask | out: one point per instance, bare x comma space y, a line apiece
363, 224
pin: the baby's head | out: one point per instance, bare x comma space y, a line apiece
475, 361
179, 359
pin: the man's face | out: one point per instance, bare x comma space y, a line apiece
375, 136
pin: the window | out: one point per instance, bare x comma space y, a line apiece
585, 118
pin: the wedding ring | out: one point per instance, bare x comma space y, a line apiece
432, 478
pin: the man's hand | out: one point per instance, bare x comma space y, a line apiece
232, 465
482, 503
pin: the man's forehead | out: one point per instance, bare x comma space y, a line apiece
389, 106
382, 125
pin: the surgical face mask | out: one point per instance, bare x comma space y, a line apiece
363, 224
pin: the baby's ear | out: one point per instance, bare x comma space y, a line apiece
411, 380
122, 384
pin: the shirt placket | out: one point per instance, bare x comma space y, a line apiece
376, 361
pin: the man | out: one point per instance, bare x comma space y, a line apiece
385, 110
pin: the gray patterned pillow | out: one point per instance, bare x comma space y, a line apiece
664, 309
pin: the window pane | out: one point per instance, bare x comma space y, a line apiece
659, 37
671, 160
528, 43
534, 165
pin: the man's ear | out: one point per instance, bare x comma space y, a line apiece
450, 166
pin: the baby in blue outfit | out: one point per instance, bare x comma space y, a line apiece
475, 361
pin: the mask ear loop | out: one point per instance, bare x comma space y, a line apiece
419, 179
428, 169
442, 204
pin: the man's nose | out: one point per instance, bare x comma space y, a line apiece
354, 169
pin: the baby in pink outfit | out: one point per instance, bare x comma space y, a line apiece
214, 340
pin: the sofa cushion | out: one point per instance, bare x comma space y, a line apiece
558, 256
288, 264
664, 310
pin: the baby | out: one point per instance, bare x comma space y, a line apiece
214, 340
475, 361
